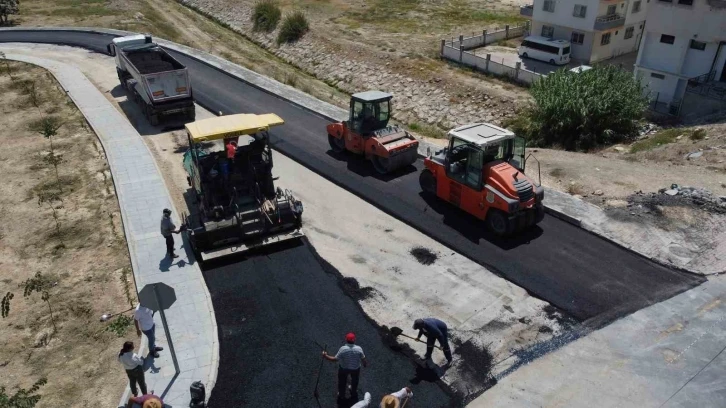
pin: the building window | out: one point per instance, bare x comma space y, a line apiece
686, 2
666, 1
548, 31
577, 38
667, 39
549, 5
698, 45
580, 11
636, 6
658, 76
605, 39
611, 10
629, 32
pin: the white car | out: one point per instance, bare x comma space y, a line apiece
581, 68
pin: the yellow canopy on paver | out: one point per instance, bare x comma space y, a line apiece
230, 126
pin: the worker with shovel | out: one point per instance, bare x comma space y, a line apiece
433, 329
394, 400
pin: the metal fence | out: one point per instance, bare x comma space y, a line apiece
456, 51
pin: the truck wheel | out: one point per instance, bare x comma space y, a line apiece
498, 223
192, 114
427, 181
336, 143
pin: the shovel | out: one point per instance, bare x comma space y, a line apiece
316, 394
397, 331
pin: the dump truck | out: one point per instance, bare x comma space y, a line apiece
229, 169
368, 133
153, 78
482, 172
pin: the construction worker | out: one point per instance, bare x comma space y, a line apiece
349, 357
134, 366
168, 228
231, 148
394, 400
433, 329
145, 401
144, 323
364, 402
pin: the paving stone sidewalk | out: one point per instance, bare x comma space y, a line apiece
142, 195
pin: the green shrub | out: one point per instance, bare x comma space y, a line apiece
580, 111
294, 26
697, 134
265, 16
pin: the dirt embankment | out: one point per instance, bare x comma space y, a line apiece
65, 226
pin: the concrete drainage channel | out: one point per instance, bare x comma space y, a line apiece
327, 112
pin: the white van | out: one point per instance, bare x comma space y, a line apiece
545, 49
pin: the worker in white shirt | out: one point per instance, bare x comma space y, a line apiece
134, 366
364, 402
144, 322
394, 400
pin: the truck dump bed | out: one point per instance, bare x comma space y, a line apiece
151, 59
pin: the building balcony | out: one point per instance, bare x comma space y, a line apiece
719, 4
528, 10
608, 22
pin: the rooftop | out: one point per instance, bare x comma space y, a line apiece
481, 134
230, 126
372, 96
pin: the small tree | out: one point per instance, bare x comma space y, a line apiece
50, 198
8, 7
7, 65
265, 15
5, 305
579, 111
49, 127
22, 398
41, 284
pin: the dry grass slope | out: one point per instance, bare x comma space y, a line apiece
80, 252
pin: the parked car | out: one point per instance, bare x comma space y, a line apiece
556, 52
581, 68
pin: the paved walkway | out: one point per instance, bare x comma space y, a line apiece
142, 195
667, 355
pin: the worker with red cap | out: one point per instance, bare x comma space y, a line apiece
350, 357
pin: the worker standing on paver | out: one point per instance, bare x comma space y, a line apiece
394, 400
433, 329
349, 357
168, 228
144, 322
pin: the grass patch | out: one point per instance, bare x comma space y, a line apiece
413, 16
666, 136
294, 27
160, 26
427, 130
557, 172
265, 16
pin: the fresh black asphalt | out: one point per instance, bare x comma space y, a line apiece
274, 312
580, 273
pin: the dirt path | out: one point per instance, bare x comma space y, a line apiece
80, 252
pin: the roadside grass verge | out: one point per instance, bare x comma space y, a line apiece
665, 137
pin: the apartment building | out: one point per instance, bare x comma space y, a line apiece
597, 29
684, 49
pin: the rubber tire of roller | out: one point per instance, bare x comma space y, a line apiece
427, 181
498, 223
336, 144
